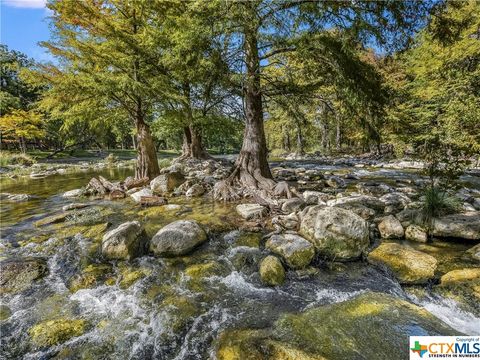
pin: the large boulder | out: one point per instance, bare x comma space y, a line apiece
178, 238
167, 182
372, 326
271, 271
391, 228
17, 274
335, 232
408, 265
251, 211
295, 250
125, 242
463, 226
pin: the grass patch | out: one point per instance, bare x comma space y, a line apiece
8, 158
437, 202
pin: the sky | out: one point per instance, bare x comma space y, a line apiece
24, 23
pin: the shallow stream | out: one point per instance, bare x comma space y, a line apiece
174, 308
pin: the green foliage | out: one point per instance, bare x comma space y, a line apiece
436, 203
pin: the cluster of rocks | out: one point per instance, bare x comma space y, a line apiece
129, 240
341, 226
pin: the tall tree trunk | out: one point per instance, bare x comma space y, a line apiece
325, 131
192, 144
147, 162
338, 136
252, 165
300, 140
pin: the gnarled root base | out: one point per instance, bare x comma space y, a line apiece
242, 184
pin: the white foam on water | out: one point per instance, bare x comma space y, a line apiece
237, 282
449, 312
330, 295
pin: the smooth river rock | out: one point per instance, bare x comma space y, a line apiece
251, 211
178, 238
335, 232
408, 265
125, 242
166, 183
391, 228
271, 271
295, 250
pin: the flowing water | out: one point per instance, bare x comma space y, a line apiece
170, 308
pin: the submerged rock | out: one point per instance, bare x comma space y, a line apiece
251, 211
463, 226
271, 271
408, 265
125, 242
335, 232
54, 332
456, 277
416, 233
73, 193
14, 197
375, 325
295, 250
167, 182
16, 274
178, 238
391, 228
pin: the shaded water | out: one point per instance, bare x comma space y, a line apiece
169, 308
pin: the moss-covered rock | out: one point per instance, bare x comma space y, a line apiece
272, 272
53, 332
93, 275
130, 275
54, 219
337, 331
408, 265
461, 276
197, 273
295, 250
16, 274
5, 312
182, 310
250, 239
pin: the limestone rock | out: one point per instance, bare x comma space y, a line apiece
251, 211
167, 182
335, 232
178, 238
125, 242
391, 228
462, 226
408, 265
295, 250
271, 271
416, 233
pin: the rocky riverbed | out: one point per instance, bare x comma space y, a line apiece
114, 268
